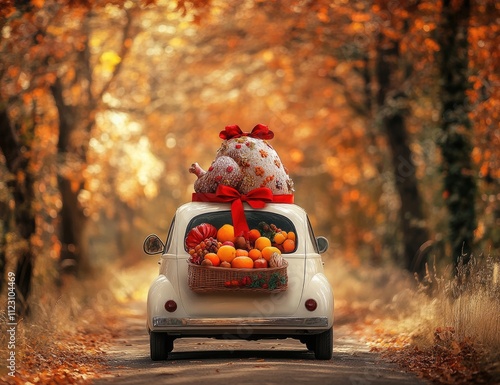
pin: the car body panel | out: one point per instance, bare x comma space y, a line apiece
241, 313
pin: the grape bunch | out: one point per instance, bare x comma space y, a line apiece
268, 230
208, 245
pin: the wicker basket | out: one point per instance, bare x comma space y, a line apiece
209, 279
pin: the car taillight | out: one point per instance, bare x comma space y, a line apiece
311, 304
170, 306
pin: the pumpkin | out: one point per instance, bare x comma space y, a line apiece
199, 233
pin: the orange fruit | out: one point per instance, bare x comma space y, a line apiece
242, 262
291, 235
214, 258
253, 235
289, 246
268, 251
225, 233
241, 253
262, 242
279, 238
226, 253
255, 254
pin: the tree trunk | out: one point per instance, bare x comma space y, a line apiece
456, 148
79, 119
22, 191
4, 227
4, 206
392, 103
73, 258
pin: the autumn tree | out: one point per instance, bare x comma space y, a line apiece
20, 184
29, 33
375, 82
46, 49
18, 115
78, 99
456, 147
484, 113
393, 71
79, 94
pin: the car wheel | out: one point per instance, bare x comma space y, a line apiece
160, 345
323, 347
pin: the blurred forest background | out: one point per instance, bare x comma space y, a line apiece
386, 114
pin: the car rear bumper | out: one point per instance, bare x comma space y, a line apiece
234, 323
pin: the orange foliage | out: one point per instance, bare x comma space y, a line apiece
304, 68
309, 77
74, 359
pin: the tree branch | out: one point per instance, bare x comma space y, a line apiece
355, 105
125, 49
9, 142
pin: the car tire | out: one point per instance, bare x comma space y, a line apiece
311, 343
160, 345
323, 346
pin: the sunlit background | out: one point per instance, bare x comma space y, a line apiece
145, 89
104, 106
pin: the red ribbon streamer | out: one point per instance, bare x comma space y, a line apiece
257, 199
260, 131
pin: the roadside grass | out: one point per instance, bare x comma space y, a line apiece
61, 342
445, 327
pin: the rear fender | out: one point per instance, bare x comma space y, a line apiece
319, 289
160, 291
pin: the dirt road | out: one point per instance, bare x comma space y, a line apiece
210, 362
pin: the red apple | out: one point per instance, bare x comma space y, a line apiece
260, 263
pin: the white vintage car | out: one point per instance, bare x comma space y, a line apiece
300, 306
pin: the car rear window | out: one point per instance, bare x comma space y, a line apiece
254, 218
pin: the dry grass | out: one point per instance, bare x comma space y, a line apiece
62, 339
445, 314
468, 303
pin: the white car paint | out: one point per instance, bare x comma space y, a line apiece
237, 314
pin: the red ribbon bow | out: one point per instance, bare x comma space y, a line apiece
257, 199
260, 131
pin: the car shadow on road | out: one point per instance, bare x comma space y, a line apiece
208, 356
242, 354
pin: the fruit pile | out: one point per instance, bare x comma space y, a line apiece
262, 248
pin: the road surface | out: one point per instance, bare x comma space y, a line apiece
207, 361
